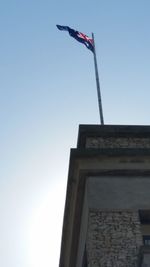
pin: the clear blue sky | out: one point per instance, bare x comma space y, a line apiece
47, 89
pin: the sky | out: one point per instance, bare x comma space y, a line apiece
48, 88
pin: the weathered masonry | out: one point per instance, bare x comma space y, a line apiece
107, 211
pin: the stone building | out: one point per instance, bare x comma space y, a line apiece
107, 210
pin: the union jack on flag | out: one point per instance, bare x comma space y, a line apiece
80, 37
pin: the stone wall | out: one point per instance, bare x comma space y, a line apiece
113, 239
117, 142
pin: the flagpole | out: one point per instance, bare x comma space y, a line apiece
98, 84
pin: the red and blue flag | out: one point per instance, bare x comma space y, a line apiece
80, 37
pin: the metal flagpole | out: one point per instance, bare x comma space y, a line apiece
98, 84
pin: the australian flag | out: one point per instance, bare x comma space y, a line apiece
80, 37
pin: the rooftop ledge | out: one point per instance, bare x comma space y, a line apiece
113, 136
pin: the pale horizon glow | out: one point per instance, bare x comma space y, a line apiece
45, 229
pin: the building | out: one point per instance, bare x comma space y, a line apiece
107, 210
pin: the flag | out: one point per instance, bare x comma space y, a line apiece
80, 37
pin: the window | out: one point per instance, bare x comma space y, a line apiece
146, 240
145, 226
